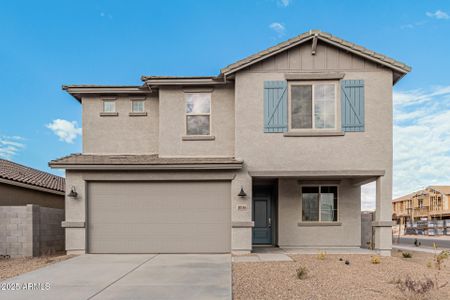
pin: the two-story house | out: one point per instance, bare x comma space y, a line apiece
272, 151
433, 202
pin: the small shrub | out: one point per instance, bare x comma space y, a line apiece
347, 262
441, 257
406, 255
375, 260
302, 273
429, 264
340, 259
417, 289
322, 255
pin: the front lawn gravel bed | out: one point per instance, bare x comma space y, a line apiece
333, 279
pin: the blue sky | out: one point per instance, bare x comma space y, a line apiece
44, 44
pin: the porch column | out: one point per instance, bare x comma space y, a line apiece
383, 216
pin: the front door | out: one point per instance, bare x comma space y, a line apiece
262, 215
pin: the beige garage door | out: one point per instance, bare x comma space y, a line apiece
159, 217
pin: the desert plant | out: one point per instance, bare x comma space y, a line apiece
322, 255
441, 257
347, 262
302, 273
429, 264
340, 259
375, 260
406, 255
417, 289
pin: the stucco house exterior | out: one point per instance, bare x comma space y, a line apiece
272, 151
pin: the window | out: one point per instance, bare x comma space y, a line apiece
313, 106
319, 203
198, 111
109, 106
137, 106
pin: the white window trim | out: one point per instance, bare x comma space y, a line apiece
109, 100
198, 114
138, 100
320, 206
336, 105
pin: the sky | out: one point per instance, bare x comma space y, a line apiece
44, 44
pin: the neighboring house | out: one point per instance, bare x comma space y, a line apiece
430, 203
272, 151
21, 185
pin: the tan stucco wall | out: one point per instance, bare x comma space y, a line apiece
172, 123
348, 234
122, 134
11, 195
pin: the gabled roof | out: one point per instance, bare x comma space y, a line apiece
11, 172
405, 197
144, 161
322, 36
443, 189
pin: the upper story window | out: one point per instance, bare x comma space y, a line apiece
137, 106
198, 113
319, 203
313, 106
109, 106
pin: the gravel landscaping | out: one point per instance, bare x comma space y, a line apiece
331, 278
16, 266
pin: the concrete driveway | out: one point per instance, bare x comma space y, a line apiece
129, 276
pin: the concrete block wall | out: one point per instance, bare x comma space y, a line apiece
30, 230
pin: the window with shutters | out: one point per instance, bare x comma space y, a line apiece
313, 106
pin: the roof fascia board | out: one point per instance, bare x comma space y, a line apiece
263, 57
31, 187
322, 38
376, 60
314, 174
232, 166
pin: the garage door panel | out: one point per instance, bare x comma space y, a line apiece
169, 216
159, 217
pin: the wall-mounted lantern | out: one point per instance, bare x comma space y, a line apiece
73, 193
242, 193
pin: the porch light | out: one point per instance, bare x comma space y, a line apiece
242, 193
73, 193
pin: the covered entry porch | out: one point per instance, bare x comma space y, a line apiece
317, 210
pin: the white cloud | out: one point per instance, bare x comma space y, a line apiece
284, 3
278, 28
439, 14
368, 196
10, 146
421, 139
67, 131
421, 142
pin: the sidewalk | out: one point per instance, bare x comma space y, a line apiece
416, 249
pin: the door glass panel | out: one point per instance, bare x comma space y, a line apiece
260, 213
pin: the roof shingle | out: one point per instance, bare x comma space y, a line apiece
152, 159
26, 175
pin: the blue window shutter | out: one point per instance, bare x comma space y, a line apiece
352, 105
275, 106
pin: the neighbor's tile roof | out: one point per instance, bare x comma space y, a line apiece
26, 175
322, 36
89, 159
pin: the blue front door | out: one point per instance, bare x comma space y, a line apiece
262, 215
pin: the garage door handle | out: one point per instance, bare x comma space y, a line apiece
270, 222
